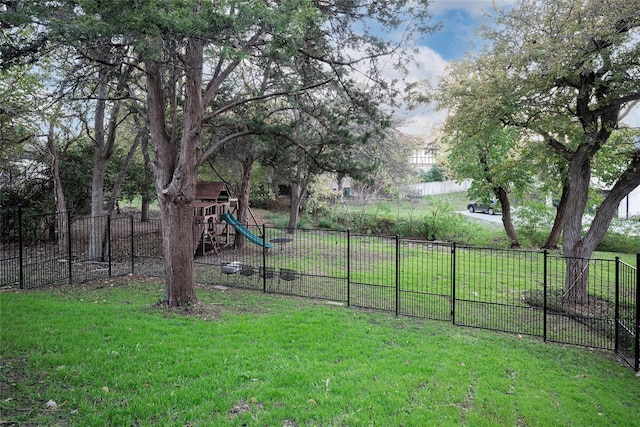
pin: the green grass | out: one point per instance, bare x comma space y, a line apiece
107, 356
431, 218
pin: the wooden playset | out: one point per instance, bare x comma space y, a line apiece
210, 233
214, 224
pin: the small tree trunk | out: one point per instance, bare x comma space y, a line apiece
144, 215
104, 149
148, 178
243, 198
294, 208
556, 230
507, 221
97, 209
58, 194
297, 195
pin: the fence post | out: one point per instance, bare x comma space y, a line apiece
69, 247
453, 283
264, 259
109, 242
397, 275
20, 250
637, 364
348, 267
616, 320
133, 246
545, 286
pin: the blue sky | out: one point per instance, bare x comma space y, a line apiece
456, 36
459, 19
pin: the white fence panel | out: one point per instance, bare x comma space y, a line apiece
441, 187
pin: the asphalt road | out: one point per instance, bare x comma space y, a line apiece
483, 216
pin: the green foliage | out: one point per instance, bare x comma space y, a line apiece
18, 102
435, 174
435, 221
442, 223
611, 161
76, 170
322, 197
34, 188
617, 242
533, 215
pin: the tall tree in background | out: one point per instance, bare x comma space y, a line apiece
565, 71
479, 146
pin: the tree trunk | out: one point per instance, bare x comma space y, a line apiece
297, 196
556, 230
294, 208
505, 203
576, 280
58, 194
144, 211
243, 197
148, 178
176, 177
578, 181
177, 245
97, 180
104, 143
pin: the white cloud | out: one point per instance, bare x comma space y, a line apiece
632, 118
425, 65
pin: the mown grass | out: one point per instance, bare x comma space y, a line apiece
436, 218
107, 356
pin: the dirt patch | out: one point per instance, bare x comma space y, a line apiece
198, 309
242, 406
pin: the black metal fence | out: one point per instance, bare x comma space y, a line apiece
515, 291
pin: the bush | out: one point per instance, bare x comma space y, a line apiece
615, 242
434, 174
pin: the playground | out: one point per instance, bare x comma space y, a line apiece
214, 223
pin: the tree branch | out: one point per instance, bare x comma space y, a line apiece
262, 97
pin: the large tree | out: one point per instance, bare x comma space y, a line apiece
479, 146
189, 51
565, 70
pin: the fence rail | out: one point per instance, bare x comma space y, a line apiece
514, 291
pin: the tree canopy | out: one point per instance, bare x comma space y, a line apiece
562, 72
193, 68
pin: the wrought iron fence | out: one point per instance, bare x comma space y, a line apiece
515, 291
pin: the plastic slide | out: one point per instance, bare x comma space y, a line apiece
244, 231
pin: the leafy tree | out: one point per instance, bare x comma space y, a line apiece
17, 106
564, 71
190, 52
480, 147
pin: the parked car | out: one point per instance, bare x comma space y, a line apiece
479, 207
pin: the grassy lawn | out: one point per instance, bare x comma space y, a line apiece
106, 356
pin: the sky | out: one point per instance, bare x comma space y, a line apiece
459, 18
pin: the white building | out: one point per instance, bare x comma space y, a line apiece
630, 205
